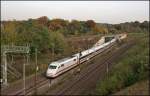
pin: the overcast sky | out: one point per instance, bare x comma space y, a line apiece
100, 11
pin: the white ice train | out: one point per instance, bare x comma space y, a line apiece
58, 67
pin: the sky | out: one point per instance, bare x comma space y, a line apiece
100, 11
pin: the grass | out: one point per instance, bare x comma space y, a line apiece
139, 88
131, 68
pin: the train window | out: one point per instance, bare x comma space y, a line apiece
62, 65
80, 54
52, 67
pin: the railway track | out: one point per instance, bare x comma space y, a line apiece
92, 71
17, 89
87, 64
40, 83
29, 90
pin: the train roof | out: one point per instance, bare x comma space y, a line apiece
62, 60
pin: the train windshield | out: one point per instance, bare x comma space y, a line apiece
52, 67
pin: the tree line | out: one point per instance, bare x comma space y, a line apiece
46, 34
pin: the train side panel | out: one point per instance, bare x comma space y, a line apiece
67, 65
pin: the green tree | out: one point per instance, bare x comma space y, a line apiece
57, 42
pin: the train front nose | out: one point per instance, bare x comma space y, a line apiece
50, 73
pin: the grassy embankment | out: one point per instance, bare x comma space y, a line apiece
133, 67
139, 88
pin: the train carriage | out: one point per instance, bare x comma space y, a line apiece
63, 65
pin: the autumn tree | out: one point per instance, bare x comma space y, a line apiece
90, 23
57, 24
100, 29
43, 20
9, 31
